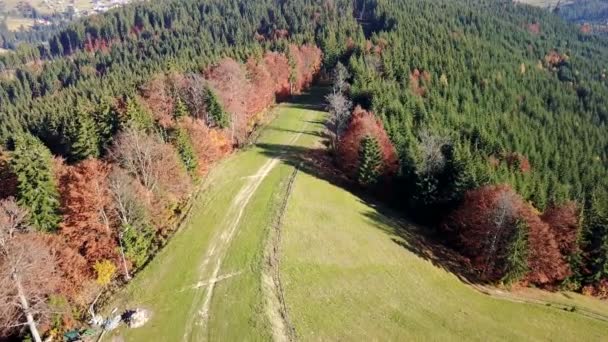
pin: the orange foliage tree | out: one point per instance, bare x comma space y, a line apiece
564, 223
362, 124
485, 226
86, 207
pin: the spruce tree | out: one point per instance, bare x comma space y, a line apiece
183, 144
517, 254
370, 161
138, 117
36, 189
85, 139
217, 114
180, 109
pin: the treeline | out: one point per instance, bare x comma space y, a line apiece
104, 138
104, 218
594, 11
498, 124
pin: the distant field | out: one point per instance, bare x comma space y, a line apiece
543, 3
15, 24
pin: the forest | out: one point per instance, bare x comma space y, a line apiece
488, 129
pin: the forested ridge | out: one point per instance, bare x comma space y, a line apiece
483, 119
499, 123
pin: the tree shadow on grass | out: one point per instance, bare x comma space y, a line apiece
320, 164
416, 239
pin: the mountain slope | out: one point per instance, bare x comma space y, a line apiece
346, 270
353, 273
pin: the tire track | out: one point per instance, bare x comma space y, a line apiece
276, 308
196, 328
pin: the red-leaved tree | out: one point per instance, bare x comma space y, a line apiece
362, 124
86, 206
485, 226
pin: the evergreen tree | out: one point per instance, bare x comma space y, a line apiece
370, 161
36, 190
217, 114
138, 117
183, 144
596, 237
107, 123
180, 109
85, 138
137, 242
517, 254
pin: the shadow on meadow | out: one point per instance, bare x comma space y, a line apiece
319, 163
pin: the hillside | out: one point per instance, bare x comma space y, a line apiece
457, 152
347, 270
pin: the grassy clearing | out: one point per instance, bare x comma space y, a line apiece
545, 3
16, 24
347, 271
165, 286
348, 275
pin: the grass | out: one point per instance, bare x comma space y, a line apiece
16, 24
348, 271
165, 286
349, 274
545, 3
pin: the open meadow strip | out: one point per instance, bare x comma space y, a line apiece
351, 273
207, 281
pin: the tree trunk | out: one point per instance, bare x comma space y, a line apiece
124, 261
26, 309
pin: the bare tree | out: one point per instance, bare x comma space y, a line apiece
431, 147
339, 107
136, 152
27, 271
127, 208
503, 218
340, 78
193, 93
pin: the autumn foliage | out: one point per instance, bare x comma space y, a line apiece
564, 223
484, 227
362, 124
86, 205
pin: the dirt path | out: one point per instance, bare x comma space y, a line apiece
196, 327
276, 310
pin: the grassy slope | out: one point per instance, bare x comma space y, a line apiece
348, 275
344, 275
237, 305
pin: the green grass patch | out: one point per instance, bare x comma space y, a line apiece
165, 286
349, 276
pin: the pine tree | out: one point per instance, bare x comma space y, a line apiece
183, 144
217, 114
137, 241
370, 161
85, 139
517, 254
137, 117
106, 122
180, 110
36, 189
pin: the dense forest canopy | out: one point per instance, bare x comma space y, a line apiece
487, 118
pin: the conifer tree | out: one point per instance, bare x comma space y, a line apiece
183, 144
517, 254
217, 114
85, 138
370, 161
36, 189
137, 117
180, 110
